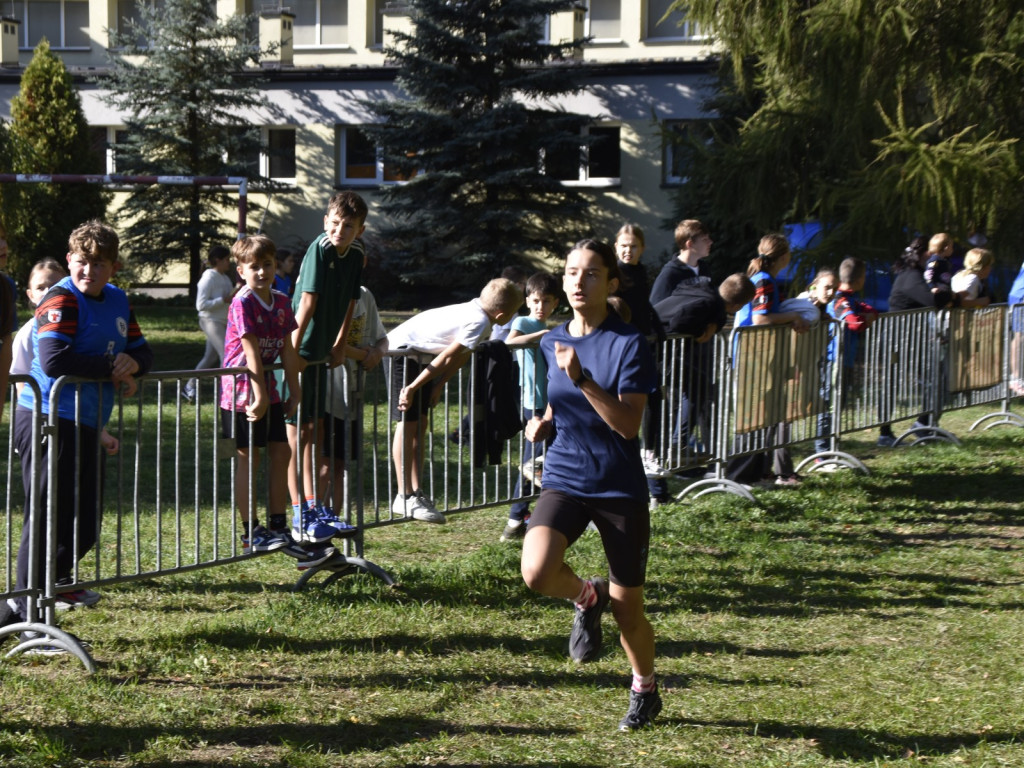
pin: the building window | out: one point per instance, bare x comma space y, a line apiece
597, 163
280, 157
678, 138
662, 25
320, 22
98, 143
65, 23
378, 23
128, 10
361, 162
103, 139
542, 23
604, 20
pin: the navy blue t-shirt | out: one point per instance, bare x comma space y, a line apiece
588, 458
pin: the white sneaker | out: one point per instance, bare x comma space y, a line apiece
653, 468
417, 506
533, 470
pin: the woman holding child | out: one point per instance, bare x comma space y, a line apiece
600, 373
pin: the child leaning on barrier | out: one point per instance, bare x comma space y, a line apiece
542, 295
855, 317
938, 268
326, 292
450, 333
366, 346
697, 310
968, 285
44, 275
85, 328
773, 255
821, 290
260, 322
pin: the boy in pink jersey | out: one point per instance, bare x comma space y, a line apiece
260, 322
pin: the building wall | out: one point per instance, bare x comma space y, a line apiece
638, 80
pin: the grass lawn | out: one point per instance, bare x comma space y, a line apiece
854, 621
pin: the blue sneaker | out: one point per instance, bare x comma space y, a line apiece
326, 516
307, 528
262, 540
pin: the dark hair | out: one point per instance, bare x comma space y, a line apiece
514, 273
543, 283
217, 253
911, 256
605, 251
348, 203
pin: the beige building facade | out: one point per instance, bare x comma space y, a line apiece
644, 73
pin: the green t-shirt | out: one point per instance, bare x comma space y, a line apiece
335, 278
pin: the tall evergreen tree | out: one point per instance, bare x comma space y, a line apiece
175, 76
473, 137
879, 117
48, 135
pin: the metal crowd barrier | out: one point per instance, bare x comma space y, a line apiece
168, 503
775, 388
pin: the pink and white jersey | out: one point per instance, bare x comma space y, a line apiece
270, 324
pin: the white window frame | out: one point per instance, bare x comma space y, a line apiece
588, 31
380, 176
585, 178
688, 31
265, 155
112, 131
317, 25
377, 39
20, 9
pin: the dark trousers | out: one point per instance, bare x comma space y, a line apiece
78, 493
519, 509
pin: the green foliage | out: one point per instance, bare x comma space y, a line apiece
470, 138
48, 135
176, 77
882, 117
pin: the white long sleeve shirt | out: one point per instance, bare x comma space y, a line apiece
213, 295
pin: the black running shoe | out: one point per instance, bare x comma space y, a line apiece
585, 640
643, 708
315, 557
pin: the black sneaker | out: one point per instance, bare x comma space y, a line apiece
292, 548
643, 708
315, 557
585, 640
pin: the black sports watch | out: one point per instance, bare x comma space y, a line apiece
584, 376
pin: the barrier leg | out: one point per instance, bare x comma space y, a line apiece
340, 565
45, 635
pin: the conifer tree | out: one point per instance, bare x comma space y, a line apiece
878, 117
175, 77
48, 135
472, 137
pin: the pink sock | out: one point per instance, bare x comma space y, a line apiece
587, 596
642, 684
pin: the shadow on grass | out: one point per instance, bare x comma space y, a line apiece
864, 744
340, 737
790, 591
